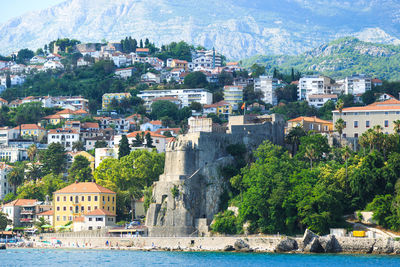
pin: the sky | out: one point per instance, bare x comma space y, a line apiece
14, 8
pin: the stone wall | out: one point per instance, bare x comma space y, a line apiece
191, 185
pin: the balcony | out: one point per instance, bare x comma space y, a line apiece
27, 212
26, 220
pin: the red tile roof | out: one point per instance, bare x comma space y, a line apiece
3, 100
152, 134
21, 202
218, 104
174, 130
86, 187
391, 104
65, 111
100, 212
46, 213
79, 219
156, 122
29, 127
310, 119
142, 50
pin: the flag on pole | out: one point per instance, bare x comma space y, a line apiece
243, 106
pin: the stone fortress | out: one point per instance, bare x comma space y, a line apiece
187, 195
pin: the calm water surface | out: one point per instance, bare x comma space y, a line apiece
64, 257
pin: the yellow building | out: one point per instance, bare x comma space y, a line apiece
30, 130
79, 199
179, 64
107, 98
53, 119
311, 124
221, 108
71, 157
233, 95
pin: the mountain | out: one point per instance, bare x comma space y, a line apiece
340, 58
237, 28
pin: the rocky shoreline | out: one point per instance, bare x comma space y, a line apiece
309, 243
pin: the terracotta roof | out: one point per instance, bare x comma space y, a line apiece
130, 68
63, 131
156, 122
232, 64
376, 80
391, 104
86, 187
29, 127
152, 134
310, 119
218, 104
79, 219
99, 212
174, 130
142, 50
176, 69
90, 125
178, 61
65, 111
54, 116
46, 213
21, 202
81, 111
3, 100
138, 116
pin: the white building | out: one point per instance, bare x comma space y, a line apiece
66, 137
5, 187
233, 94
13, 154
313, 85
356, 84
37, 60
267, 85
320, 100
124, 73
5, 135
187, 96
151, 126
52, 65
104, 153
94, 220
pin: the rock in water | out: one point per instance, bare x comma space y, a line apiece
384, 246
229, 248
307, 238
314, 246
330, 244
240, 245
2, 246
286, 245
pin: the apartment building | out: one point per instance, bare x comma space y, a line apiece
356, 84
79, 199
319, 101
107, 98
311, 124
5, 186
67, 137
313, 85
359, 119
267, 85
186, 96
233, 94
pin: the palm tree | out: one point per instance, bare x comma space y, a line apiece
339, 106
16, 176
310, 154
34, 172
346, 155
32, 151
339, 126
293, 137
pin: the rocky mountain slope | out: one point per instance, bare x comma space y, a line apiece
339, 58
237, 28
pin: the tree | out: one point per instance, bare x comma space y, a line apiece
310, 153
340, 106
100, 144
54, 159
346, 153
80, 170
8, 80
339, 126
4, 221
138, 141
164, 108
123, 149
196, 106
196, 79
9, 197
368, 97
40, 223
34, 172
293, 137
16, 176
257, 70
225, 223
24, 55
149, 140
78, 146
32, 152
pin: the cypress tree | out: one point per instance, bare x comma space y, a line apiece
124, 149
8, 80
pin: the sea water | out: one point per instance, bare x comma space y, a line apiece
119, 258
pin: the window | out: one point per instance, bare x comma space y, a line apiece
70, 218
103, 198
356, 135
58, 199
344, 135
99, 219
70, 208
355, 124
65, 198
95, 198
82, 208
108, 198
113, 199
83, 198
58, 218
311, 126
64, 208
58, 208
64, 218
71, 198
386, 123
367, 124
89, 198
108, 208
89, 208
386, 113
95, 207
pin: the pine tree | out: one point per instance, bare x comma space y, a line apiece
8, 80
149, 140
124, 149
146, 42
134, 45
141, 43
137, 142
293, 75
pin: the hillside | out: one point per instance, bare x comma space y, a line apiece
339, 58
236, 28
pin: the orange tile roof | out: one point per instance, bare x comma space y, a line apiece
391, 104
142, 50
65, 111
63, 131
99, 212
310, 119
54, 116
79, 219
232, 64
86, 187
218, 104
90, 125
21, 202
81, 111
3, 100
178, 61
46, 213
156, 122
29, 127
152, 134
174, 130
